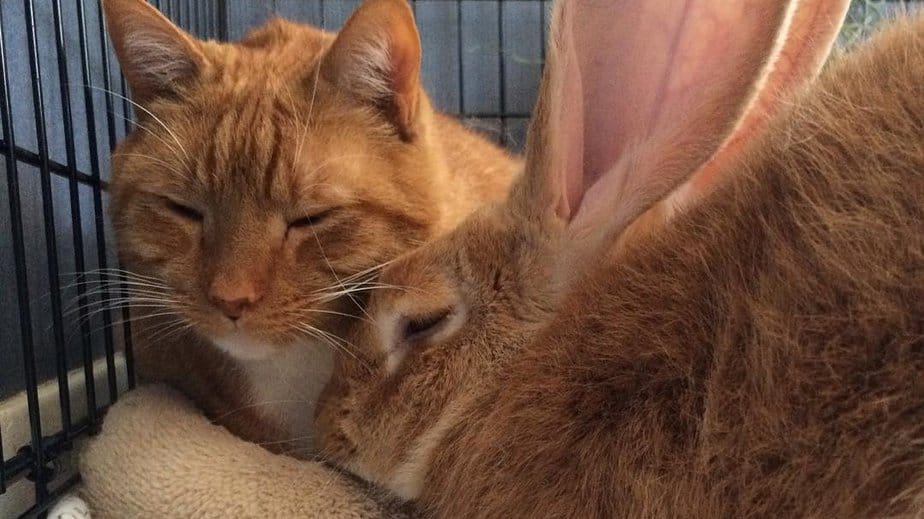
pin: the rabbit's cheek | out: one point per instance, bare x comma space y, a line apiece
407, 479
394, 359
336, 444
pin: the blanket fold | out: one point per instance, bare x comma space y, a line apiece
158, 456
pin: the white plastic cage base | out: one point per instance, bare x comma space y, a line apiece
14, 415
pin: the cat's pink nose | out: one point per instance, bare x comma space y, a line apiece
233, 299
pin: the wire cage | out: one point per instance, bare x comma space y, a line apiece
65, 347
64, 355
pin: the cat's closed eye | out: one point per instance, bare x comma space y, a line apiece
311, 220
183, 211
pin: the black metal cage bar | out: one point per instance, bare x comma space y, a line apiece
18, 464
74, 90
89, 377
68, 119
98, 208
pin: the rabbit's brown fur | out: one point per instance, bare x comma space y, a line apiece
761, 356
764, 357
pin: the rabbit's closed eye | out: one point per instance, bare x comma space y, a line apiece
422, 328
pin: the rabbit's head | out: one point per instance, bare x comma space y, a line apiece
642, 103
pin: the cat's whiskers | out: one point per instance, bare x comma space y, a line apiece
288, 440
145, 110
95, 308
163, 141
314, 93
303, 124
90, 311
362, 283
130, 291
345, 292
97, 292
119, 278
341, 291
98, 287
149, 333
113, 283
345, 289
322, 455
349, 293
147, 316
357, 282
306, 122
306, 312
130, 320
122, 294
126, 273
91, 308
162, 163
160, 311
323, 335
369, 271
328, 338
116, 272
169, 332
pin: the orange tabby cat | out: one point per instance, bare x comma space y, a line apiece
266, 182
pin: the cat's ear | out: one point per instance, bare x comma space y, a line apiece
157, 58
376, 57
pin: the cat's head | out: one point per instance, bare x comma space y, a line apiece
263, 178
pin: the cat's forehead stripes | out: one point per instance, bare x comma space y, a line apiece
256, 147
254, 108
241, 147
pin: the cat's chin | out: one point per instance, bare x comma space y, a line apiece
242, 346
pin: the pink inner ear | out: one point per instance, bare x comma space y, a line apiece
805, 47
645, 67
651, 87
801, 51
568, 116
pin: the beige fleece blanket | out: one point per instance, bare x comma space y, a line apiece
158, 456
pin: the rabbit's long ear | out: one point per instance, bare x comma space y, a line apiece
636, 97
801, 51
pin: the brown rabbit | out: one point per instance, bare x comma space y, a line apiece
757, 353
